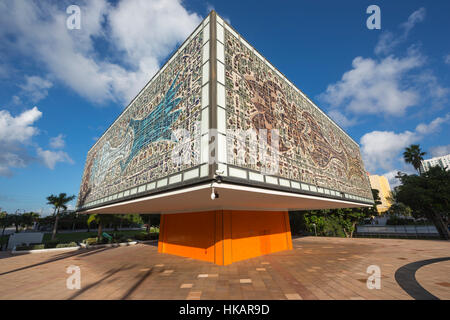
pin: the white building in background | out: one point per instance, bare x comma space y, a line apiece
443, 162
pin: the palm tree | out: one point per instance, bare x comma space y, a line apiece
414, 155
58, 203
100, 220
5, 221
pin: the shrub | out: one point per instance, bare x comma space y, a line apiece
396, 221
30, 247
51, 244
90, 241
66, 245
146, 236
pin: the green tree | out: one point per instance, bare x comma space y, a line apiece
428, 195
414, 155
336, 222
376, 198
28, 219
150, 220
5, 222
101, 220
16, 219
350, 217
58, 202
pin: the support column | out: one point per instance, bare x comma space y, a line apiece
224, 236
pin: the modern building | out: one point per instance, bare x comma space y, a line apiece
222, 145
443, 162
381, 183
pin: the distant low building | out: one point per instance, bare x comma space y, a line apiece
443, 162
381, 183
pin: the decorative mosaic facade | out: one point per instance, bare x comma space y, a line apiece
139, 146
311, 148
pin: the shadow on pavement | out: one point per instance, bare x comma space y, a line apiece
109, 274
56, 258
137, 284
406, 278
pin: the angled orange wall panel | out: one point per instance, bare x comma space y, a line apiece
224, 237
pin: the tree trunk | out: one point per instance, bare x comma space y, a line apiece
440, 226
55, 226
353, 229
3, 234
99, 234
148, 228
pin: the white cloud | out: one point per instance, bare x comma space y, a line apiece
439, 151
50, 158
382, 149
447, 59
375, 87
341, 119
433, 126
385, 86
437, 94
391, 176
138, 33
14, 133
36, 88
388, 41
57, 142
416, 17
18, 129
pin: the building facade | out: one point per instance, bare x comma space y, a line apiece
222, 144
443, 162
381, 183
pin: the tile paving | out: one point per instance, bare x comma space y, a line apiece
317, 268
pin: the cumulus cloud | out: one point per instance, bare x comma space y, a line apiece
381, 149
138, 33
36, 88
388, 40
375, 87
439, 151
433, 126
385, 86
447, 59
18, 129
57, 142
341, 119
391, 177
15, 132
50, 158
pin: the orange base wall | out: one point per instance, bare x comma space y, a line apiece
224, 236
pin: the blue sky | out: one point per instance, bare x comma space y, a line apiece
60, 89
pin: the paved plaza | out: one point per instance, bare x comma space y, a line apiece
317, 268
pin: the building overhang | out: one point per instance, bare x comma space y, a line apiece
230, 197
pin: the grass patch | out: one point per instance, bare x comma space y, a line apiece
80, 236
4, 239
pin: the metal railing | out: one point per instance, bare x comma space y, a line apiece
408, 231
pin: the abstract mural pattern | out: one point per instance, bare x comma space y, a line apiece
311, 148
138, 147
